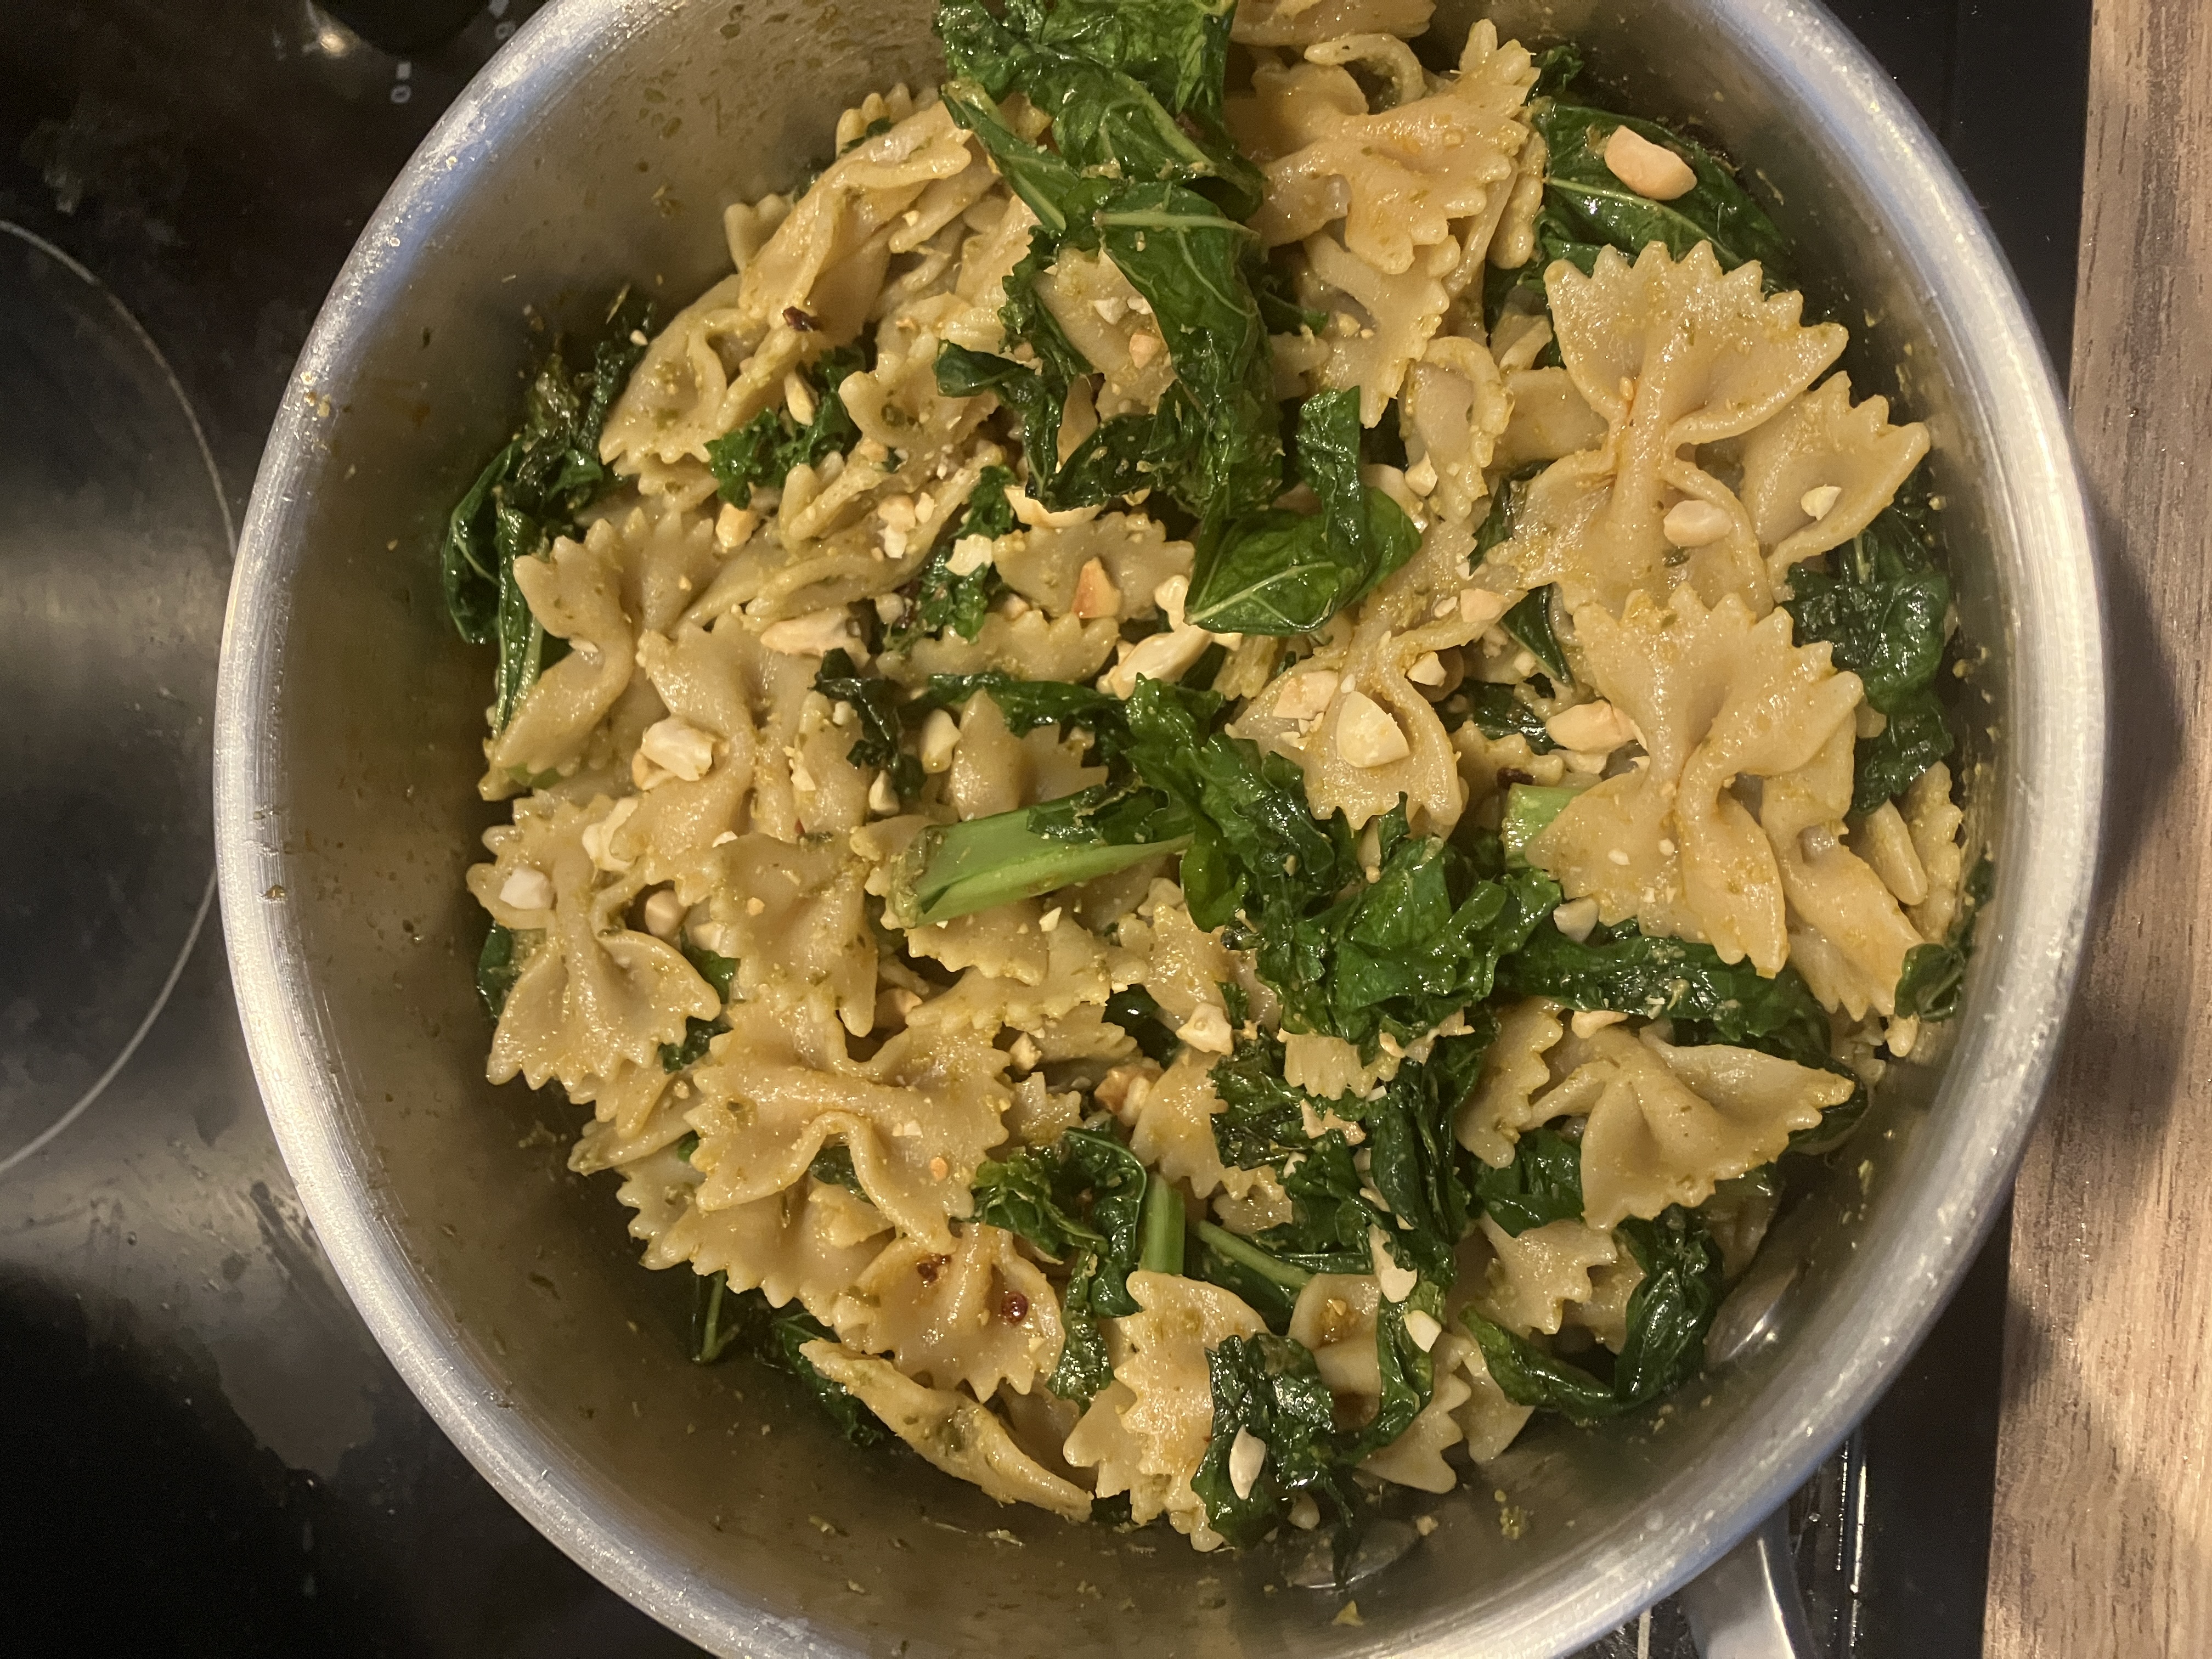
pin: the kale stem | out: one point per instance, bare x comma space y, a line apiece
1161, 1249
1245, 1253
955, 869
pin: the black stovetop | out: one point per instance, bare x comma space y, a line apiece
200, 1450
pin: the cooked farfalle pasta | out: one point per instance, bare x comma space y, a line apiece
1166, 963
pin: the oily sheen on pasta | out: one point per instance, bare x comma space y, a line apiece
1213, 786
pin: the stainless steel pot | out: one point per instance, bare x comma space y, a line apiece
601, 145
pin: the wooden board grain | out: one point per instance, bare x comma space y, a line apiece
2102, 1546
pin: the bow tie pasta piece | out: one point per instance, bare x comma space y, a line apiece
1347, 766
960, 1436
1715, 697
724, 358
1021, 981
636, 1113
1489, 1421
1604, 1312
1819, 444
575, 593
593, 994
1170, 1122
1848, 935
1306, 22
979, 1315
1456, 407
1667, 1124
994, 771
1670, 354
1937, 827
1401, 177
1032, 646
1146, 1434
794, 912
1490, 1121
1529, 1278
1416, 1458
917, 1118
796, 1243
1048, 566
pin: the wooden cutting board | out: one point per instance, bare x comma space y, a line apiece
2102, 1548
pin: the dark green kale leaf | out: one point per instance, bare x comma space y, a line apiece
1265, 1282
1672, 1304
1528, 1376
1669, 1312
1269, 1387
763, 451
1542, 1184
1530, 622
1026, 705
1884, 611
1414, 1166
1400, 953
528, 493
1587, 208
1214, 444
1136, 1012
720, 1320
1279, 572
498, 966
832, 1165
1502, 711
1253, 838
1934, 984
875, 701
1708, 999
699, 1035
1082, 1201
941, 601
1135, 92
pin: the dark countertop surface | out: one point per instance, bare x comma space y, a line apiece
204, 1451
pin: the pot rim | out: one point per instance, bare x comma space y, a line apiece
1984, 1110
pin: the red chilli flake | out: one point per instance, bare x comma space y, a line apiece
930, 1266
1013, 1306
800, 320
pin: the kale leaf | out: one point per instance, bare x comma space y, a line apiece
1587, 208
875, 701
699, 1034
1672, 1304
1266, 1283
720, 1319
1414, 1188
527, 494
1082, 1201
1136, 1012
1669, 1312
1709, 1000
1542, 1184
1884, 611
762, 453
943, 601
1268, 1387
1530, 622
497, 968
1026, 705
1400, 953
1280, 572
1934, 984
1502, 711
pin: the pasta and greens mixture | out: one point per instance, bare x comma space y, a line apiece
1214, 777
